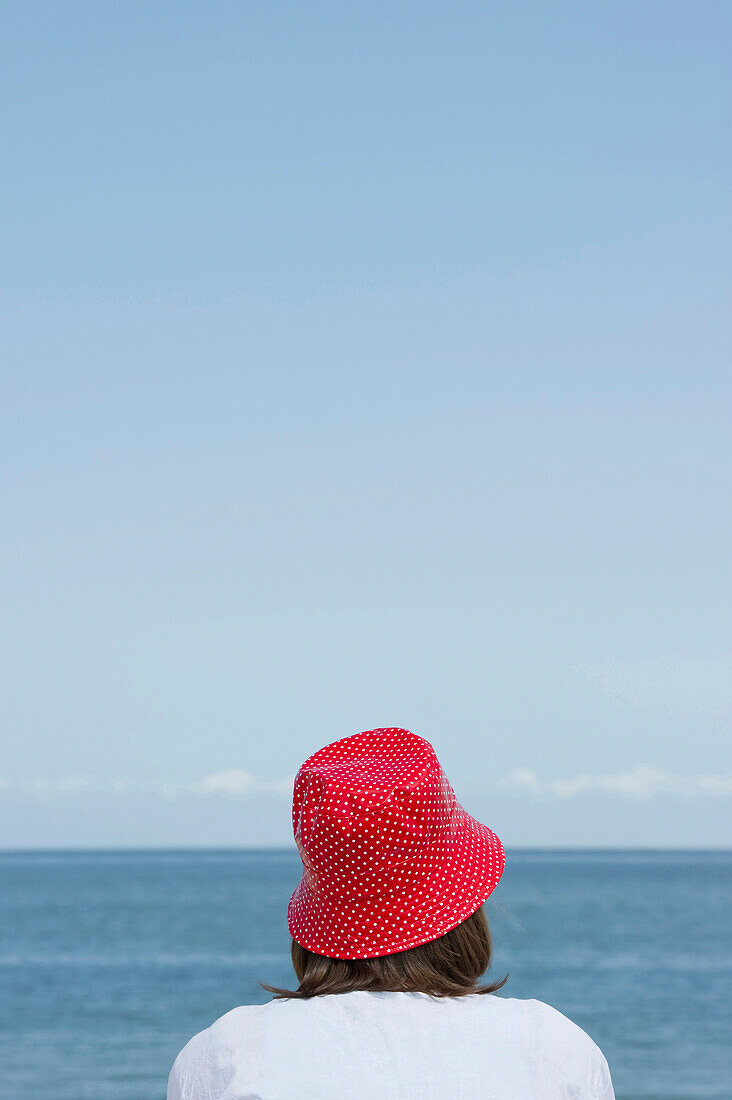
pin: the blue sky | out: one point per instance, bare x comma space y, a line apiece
367, 365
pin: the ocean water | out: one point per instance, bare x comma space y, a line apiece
109, 962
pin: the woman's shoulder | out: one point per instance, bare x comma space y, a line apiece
543, 1014
547, 1023
564, 1045
211, 1051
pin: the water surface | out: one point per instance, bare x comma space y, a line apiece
109, 962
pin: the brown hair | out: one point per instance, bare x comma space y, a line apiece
449, 966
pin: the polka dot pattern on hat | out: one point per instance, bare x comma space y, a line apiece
390, 858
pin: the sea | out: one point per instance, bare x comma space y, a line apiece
110, 961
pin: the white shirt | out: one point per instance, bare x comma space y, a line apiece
392, 1046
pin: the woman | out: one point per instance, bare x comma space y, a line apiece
389, 942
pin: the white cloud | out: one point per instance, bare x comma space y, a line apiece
282, 786
75, 783
640, 782
233, 783
523, 779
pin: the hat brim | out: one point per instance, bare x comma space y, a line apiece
366, 928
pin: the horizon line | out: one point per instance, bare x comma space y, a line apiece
281, 848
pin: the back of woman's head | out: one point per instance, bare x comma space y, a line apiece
395, 873
449, 966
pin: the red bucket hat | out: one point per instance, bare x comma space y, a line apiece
391, 859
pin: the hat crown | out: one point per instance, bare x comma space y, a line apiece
370, 812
